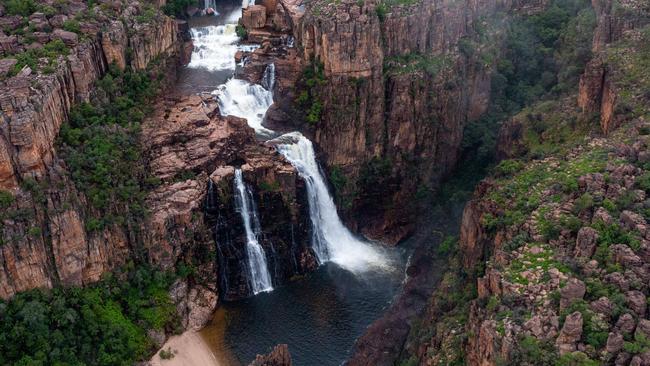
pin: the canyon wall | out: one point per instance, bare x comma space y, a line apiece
600, 94
401, 82
44, 234
553, 252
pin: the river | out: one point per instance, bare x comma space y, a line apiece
319, 315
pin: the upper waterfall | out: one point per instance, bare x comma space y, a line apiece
331, 240
243, 99
260, 277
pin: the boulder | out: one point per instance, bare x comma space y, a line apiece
254, 17
614, 343
586, 242
6, 65
570, 334
278, 357
573, 290
636, 301
69, 38
625, 324
602, 306
643, 328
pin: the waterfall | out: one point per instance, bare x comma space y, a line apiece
259, 273
331, 240
268, 79
209, 4
243, 99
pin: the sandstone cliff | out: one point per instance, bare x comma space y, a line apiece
553, 250
399, 84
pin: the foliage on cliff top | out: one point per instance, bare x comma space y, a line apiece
100, 144
413, 62
544, 55
103, 324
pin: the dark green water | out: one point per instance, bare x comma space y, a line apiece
319, 316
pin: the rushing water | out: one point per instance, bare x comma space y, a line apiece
331, 240
321, 314
243, 99
259, 272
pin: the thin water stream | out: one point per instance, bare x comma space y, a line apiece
321, 314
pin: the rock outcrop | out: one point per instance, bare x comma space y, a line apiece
390, 112
279, 356
44, 230
600, 85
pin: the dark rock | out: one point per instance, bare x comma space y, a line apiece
573, 290
279, 356
586, 242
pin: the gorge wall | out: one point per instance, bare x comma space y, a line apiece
399, 83
553, 249
45, 241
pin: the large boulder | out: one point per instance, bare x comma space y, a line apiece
586, 242
254, 17
571, 332
573, 290
278, 357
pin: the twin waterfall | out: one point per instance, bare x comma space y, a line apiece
244, 203
214, 50
331, 240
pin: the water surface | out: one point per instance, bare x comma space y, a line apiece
319, 316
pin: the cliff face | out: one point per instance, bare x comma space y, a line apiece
45, 241
600, 85
554, 251
398, 92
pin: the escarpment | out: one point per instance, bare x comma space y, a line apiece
45, 233
387, 92
602, 92
551, 265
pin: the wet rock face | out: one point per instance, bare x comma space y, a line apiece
279, 195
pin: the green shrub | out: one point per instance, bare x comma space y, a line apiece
241, 31
103, 324
6, 199
576, 359
72, 25
176, 7
643, 181
166, 354
381, 11
20, 7
273, 186
508, 167
584, 202
448, 245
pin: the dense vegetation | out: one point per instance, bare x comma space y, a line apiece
104, 324
313, 77
100, 144
545, 54
176, 7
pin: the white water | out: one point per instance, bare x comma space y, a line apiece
243, 99
215, 45
259, 273
331, 240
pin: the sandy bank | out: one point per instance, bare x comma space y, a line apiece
189, 350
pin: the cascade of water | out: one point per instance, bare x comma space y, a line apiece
268, 79
259, 273
243, 99
331, 240
209, 4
